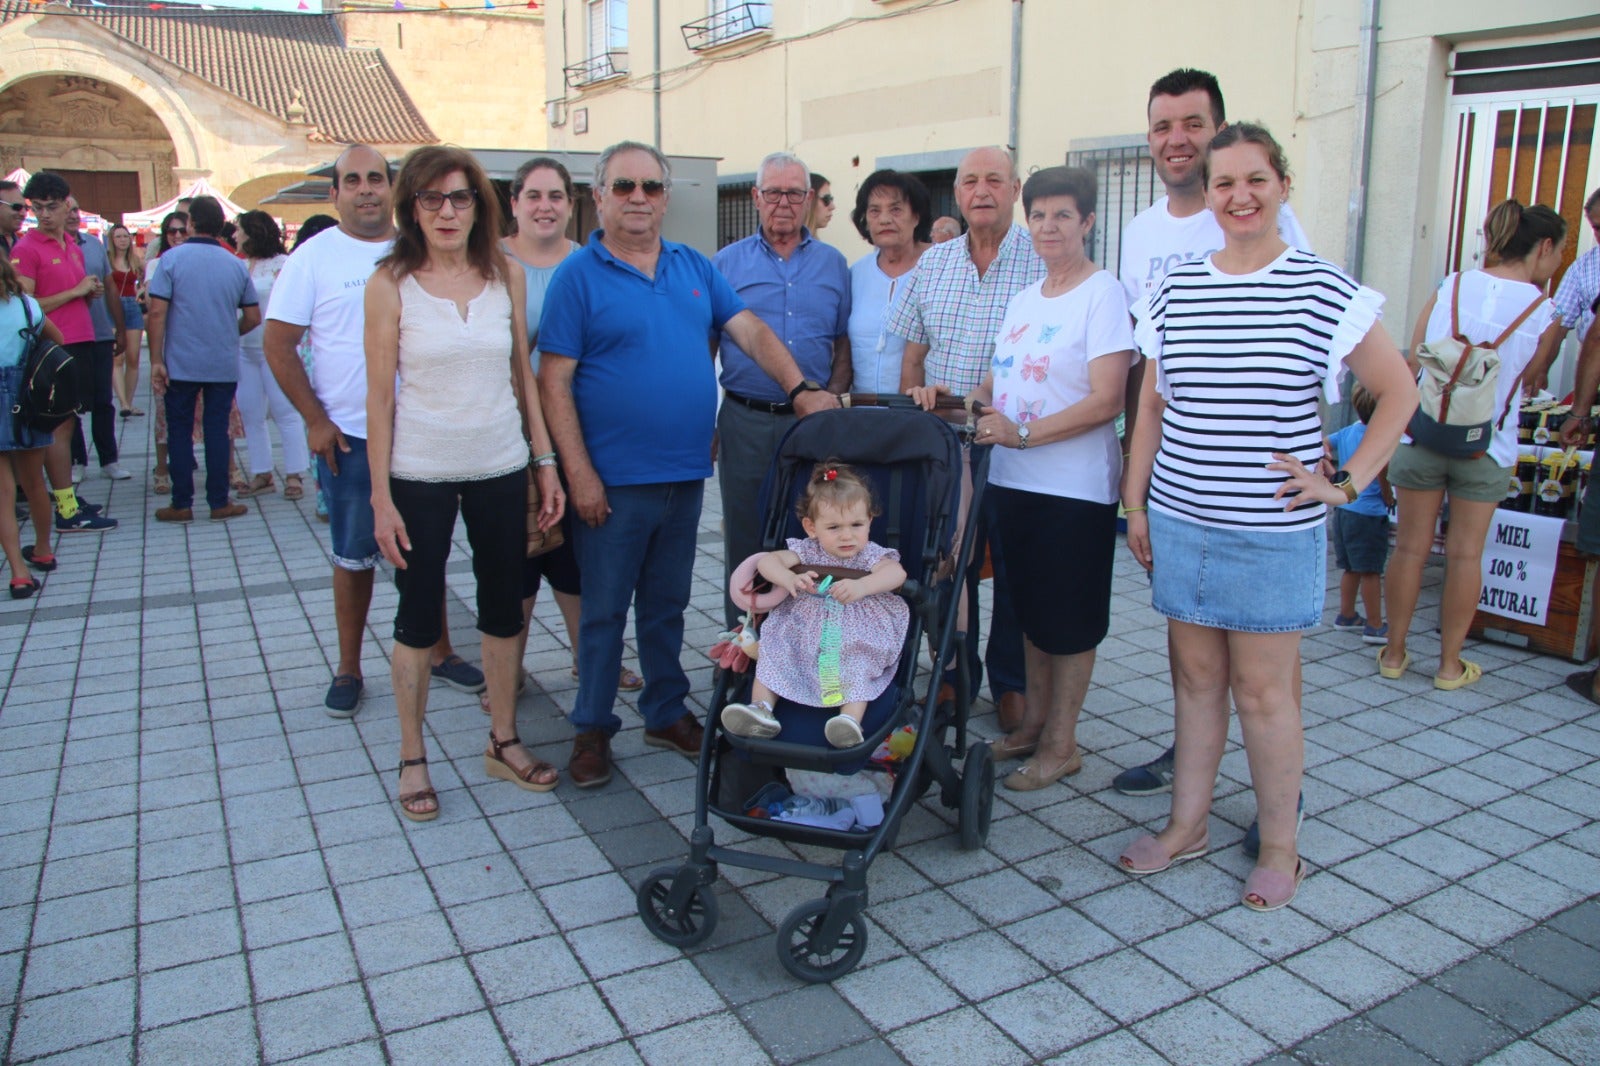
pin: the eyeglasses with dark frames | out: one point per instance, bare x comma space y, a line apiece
827, 199
176, 231
792, 196
624, 186
433, 200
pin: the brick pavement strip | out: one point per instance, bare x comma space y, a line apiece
196, 865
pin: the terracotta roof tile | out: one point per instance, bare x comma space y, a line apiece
349, 94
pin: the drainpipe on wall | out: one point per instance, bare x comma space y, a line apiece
1012, 133
656, 89
1361, 155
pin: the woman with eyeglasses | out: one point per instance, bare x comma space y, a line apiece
820, 213
892, 214
445, 319
127, 268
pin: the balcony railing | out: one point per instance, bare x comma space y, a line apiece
603, 67
732, 23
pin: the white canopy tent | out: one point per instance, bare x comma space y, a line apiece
137, 220
19, 176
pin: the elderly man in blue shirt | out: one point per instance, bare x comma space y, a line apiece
630, 398
799, 287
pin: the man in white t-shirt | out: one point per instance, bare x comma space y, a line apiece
321, 289
1185, 111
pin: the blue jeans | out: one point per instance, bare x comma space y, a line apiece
643, 554
180, 401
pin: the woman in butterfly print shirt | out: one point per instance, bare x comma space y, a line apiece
1051, 399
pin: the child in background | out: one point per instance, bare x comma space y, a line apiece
830, 643
1361, 534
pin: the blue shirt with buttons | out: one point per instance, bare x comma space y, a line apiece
804, 298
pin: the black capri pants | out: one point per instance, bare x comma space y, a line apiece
496, 514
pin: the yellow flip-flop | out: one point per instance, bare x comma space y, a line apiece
1471, 672
1395, 673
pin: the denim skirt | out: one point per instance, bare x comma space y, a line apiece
1243, 580
15, 436
132, 314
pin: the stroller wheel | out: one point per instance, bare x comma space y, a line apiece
682, 927
977, 796
801, 946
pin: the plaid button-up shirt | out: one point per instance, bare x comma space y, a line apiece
1579, 287
956, 313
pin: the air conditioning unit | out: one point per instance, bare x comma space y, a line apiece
555, 112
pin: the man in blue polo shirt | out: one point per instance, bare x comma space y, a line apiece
201, 302
799, 287
630, 397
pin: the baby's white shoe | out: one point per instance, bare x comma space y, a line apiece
753, 719
842, 731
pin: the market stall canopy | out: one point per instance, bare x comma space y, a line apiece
137, 220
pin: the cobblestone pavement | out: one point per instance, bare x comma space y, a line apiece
198, 866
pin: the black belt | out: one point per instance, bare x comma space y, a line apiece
765, 406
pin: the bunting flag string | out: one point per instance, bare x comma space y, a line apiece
175, 9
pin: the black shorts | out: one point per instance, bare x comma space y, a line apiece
1059, 555
496, 514
559, 567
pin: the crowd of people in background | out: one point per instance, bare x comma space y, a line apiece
422, 356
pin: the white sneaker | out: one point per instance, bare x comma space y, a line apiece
115, 472
754, 719
77, 473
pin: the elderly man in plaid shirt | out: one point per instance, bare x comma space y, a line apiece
950, 315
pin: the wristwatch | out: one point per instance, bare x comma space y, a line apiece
1341, 481
1022, 437
806, 385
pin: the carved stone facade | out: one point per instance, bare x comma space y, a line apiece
75, 122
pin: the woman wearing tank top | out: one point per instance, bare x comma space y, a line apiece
445, 333
1525, 246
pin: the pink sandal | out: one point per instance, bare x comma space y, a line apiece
1147, 856
1269, 890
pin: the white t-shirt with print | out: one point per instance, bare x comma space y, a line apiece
1155, 242
322, 287
1041, 366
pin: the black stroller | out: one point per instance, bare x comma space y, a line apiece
913, 460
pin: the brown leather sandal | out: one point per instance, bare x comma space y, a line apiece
497, 767
421, 795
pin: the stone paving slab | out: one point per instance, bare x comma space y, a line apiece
198, 866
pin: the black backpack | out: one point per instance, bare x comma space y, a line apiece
48, 393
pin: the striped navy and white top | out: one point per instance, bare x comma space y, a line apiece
1241, 360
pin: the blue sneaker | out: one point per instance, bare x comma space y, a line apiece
460, 675
1252, 836
1375, 636
1349, 622
344, 696
1147, 780
84, 522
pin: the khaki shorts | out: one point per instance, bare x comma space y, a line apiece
1480, 479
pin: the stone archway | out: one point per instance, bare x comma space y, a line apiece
106, 139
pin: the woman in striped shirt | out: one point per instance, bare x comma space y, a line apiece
1225, 498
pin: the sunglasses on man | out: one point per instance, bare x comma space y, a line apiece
625, 186
18, 207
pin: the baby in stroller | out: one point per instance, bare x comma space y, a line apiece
831, 642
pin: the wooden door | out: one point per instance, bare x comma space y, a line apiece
108, 193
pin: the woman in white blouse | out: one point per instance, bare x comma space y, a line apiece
892, 214
444, 314
1225, 504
